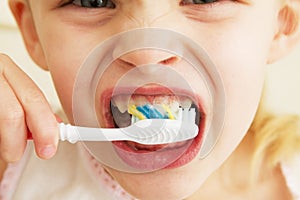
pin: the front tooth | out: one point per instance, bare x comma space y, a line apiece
138, 100
186, 102
121, 101
174, 106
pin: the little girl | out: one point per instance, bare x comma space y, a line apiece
257, 155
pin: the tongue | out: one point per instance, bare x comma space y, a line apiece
141, 147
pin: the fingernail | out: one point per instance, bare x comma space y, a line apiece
47, 151
58, 119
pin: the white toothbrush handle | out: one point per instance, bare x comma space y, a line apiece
73, 134
149, 131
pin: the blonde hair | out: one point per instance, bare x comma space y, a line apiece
276, 138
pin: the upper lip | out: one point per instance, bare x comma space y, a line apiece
155, 91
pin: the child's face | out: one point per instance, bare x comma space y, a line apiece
236, 34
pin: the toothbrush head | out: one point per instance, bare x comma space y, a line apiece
160, 131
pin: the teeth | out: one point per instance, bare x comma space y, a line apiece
174, 106
138, 100
168, 106
121, 101
164, 100
186, 102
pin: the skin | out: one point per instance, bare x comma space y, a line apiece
230, 33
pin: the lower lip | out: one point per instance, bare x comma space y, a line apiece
160, 159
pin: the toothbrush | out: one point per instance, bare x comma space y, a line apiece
146, 131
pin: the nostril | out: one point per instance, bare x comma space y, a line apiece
127, 63
149, 56
169, 61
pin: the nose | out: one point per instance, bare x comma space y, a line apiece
145, 57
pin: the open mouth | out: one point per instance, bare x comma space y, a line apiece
123, 109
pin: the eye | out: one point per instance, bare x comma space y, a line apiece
198, 1
205, 1
94, 3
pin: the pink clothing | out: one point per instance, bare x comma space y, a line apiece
11, 177
87, 179
102, 176
72, 174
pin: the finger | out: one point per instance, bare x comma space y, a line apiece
12, 124
29, 134
58, 119
38, 114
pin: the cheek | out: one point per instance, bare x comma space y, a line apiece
239, 52
64, 81
64, 63
64, 57
241, 62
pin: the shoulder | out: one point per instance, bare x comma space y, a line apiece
291, 172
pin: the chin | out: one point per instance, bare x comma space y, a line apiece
165, 184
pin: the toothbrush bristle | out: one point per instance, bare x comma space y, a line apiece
153, 112
179, 114
192, 115
185, 114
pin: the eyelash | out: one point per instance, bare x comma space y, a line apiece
185, 2
211, 5
93, 4
110, 4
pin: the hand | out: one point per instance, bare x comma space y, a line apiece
23, 107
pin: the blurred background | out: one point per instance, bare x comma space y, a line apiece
282, 84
